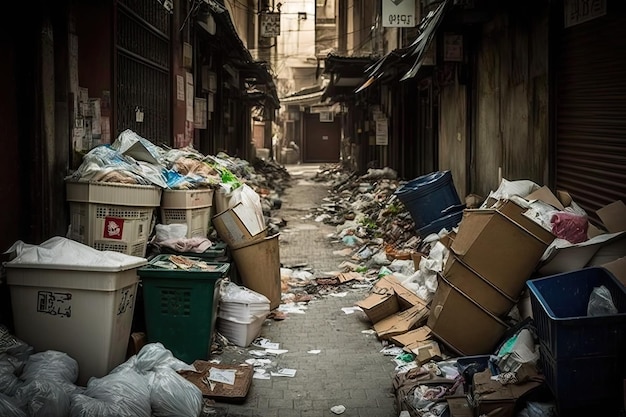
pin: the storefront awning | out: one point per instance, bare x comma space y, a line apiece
413, 54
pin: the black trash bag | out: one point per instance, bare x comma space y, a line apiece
10, 408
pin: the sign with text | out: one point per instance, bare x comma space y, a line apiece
399, 13
579, 11
382, 132
270, 25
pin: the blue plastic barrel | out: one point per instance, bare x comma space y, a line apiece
427, 196
451, 217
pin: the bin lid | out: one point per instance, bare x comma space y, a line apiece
62, 253
180, 266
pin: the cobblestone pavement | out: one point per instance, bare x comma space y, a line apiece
349, 370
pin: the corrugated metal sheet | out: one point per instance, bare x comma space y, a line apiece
591, 112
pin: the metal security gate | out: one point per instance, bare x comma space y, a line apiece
591, 111
143, 70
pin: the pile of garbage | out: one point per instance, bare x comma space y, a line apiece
43, 384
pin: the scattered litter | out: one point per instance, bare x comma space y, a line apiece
350, 310
406, 367
370, 331
338, 409
343, 252
258, 362
339, 294
216, 361
392, 351
285, 372
276, 351
226, 376
258, 353
292, 308
261, 374
314, 351
265, 343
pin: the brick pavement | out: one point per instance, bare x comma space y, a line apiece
349, 370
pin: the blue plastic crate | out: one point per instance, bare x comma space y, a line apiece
559, 305
592, 381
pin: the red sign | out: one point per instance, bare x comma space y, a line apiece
113, 228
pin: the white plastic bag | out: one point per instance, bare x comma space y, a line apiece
43, 398
171, 395
154, 355
9, 407
601, 302
120, 394
234, 293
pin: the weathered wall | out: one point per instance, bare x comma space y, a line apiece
453, 140
511, 125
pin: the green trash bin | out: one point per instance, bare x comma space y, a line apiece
180, 305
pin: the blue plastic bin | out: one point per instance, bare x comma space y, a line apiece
427, 196
593, 381
451, 217
559, 305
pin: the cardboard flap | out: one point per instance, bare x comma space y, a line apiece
472, 223
613, 216
406, 297
488, 390
618, 269
374, 299
401, 322
544, 194
418, 335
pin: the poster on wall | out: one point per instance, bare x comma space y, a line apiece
382, 131
200, 113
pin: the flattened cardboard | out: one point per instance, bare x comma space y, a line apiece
461, 323
613, 216
544, 194
418, 335
406, 297
497, 248
378, 306
489, 395
401, 322
426, 351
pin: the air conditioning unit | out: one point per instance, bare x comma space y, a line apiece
327, 116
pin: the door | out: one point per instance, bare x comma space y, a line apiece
322, 139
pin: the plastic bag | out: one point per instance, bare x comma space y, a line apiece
569, 226
9, 366
171, 395
52, 366
9, 407
43, 398
154, 355
8, 343
131, 144
535, 409
601, 302
170, 231
127, 389
233, 293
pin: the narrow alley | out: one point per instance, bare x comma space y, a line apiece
349, 370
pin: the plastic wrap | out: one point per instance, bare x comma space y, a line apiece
51, 365
601, 302
234, 293
569, 226
131, 144
127, 389
43, 398
171, 395
9, 407
154, 355
8, 343
9, 367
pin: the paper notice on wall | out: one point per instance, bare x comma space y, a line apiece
189, 97
180, 88
200, 113
382, 135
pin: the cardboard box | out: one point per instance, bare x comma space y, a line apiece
426, 351
618, 268
479, 289
495, 399
604, 247
377, 306
459, 407
401, 322
413, 337
498, 248
406, 297
461, 323
516, 213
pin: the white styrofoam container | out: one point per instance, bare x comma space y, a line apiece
242, 311
241, 333
86, 312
